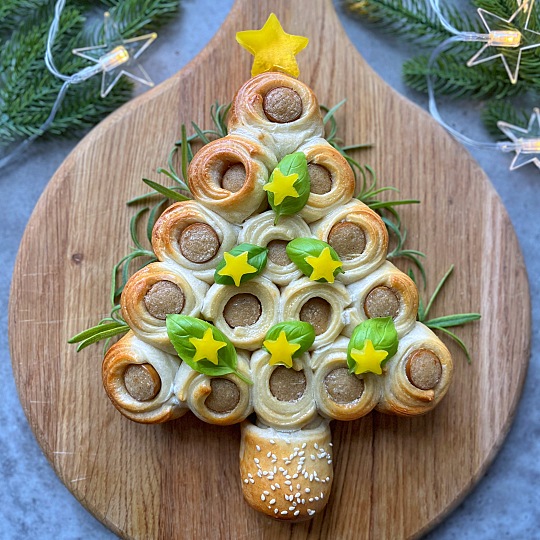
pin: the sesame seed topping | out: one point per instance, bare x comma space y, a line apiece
272, 487
306, 475
281, 469
277, 485
276, 510
298, 486
296, 449
246, 480
259, 473
307, 490
322, 495
250, 475
316, 446
258, 448
304, 445
272, 441
310, 511
312, 457
274, 456
266, 492
316, 498
265, 473
296, 513
295, 475
301, 453
291, 508
288, 441
310, 499
303, 501
263, 498
256, 460
284, 512
272, 501
269, 454
288, 482
252, 481
311, 478
328, 479
331, 444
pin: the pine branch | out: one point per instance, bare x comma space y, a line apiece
412, 19
451, 76
502, 110
13, 12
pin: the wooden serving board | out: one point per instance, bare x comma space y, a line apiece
394, 477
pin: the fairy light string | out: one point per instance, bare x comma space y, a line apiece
503, 38
113, 59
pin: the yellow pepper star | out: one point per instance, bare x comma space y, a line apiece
272, 47
368, 359
282, 186
323, 266
207, 347
236, 266
281, 350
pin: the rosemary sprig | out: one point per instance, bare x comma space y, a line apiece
447, 321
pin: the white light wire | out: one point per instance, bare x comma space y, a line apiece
76, 78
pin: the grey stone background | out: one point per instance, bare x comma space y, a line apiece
35, 504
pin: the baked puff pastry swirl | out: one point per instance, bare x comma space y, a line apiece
358, 235
320, 304
278, 111
245, 313
341, 395
222, 400
386, 292
261, 230
286, 475
227, 176
418, 376
283, 397
138, 379
154, 292
331, 178
193, 237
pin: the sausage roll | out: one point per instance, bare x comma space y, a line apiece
193, 237
286, 475
283, 397
138, 379
358, 235
386, 292
278, 111
222, 400
244, 314
339, 394
418, 376
260, 230
227, 175
154, 292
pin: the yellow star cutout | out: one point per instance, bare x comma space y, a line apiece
281, 350
368, 359
272, 47
236, 267
323, 266
207, 347
282, 186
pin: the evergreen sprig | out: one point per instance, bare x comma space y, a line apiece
28, 90
415, 21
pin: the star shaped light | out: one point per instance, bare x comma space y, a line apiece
236, 266
272, 47
281, 350
525, 142
282, 186
323, 266
368, 359
504, 37
118, 56
206, 348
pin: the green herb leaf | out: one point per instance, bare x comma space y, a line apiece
297, 332
256, 257
300, 248
382, 334
180, 328
291, 164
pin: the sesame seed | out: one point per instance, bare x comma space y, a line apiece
274, 456
307, 490
281, 469
246, 481
311, 478
276, 510
272, 501
272, 487
298, 486
263, 498
296, 513
286, 497
303, 501
287, 462
295, 475
288, 482
256, 460
296, 449
331, 444
277, 485
259, 473
301, 453
322, 495
306, 474
310, 511
250, 475
272, 441
312, 457
265, 473
304, 445
310, 499
328, 479
288, 441
266, 492
284, 512
269, 454
270, 476
291, 508
316, 446
316, 498
258, 448
329, 461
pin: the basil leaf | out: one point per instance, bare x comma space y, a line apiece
297, 332
382, 333
181, 327
292, 164
257, 257
300, 248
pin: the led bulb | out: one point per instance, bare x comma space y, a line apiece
504, 38
529, 146
114, 58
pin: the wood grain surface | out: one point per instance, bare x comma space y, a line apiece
394, 477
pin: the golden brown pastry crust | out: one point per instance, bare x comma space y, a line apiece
134, 312
376, 237
193, 388
284, 415
325, 360
386, 275
169, 227
319, 152
131, 350
248, 119
399, 395
210, 163
286, 475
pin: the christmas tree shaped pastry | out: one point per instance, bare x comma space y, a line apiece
273, 296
